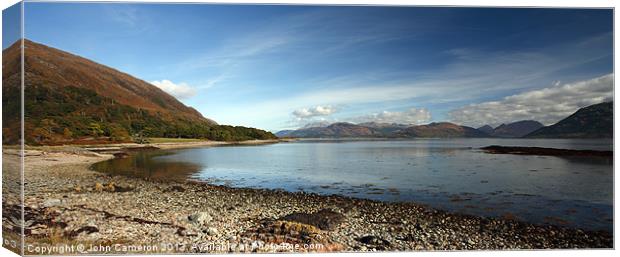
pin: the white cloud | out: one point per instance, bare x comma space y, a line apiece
179, 90
314, 124
547, 105
319, 117
410, 116
316, 111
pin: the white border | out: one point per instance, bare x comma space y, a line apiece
491, 3
476, 3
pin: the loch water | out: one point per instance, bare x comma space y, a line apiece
449, 174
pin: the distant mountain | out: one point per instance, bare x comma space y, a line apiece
373, 124
317, 124
341, 129
284, 133
441, 130
486, 129
387, 130
344, 129
594, 121
516, 129
71, 98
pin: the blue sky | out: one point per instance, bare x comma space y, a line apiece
11, 28
279, 67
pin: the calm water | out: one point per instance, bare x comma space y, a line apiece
449, 174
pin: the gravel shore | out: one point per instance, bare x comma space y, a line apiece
66, 203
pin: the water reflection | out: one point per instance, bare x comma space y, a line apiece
147, 165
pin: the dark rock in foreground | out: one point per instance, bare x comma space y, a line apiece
374, 241
324, 219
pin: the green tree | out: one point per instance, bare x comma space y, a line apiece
95, 129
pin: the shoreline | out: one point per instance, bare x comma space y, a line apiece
72, 203
174, 145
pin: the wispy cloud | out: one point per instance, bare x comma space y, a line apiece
124, 14
211, 82
307, 35
470, 75
547, 105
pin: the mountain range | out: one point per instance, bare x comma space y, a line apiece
68, 98
440, 129
515, 129
594, 121
389, 130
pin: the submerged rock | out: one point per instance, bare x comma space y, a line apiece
520, 150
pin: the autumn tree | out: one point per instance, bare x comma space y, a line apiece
67, 133
118, 133
48, 125
41, 134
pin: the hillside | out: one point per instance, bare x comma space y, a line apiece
516, 129
486, 129
594, 121
284, 133
69, 98
441, 130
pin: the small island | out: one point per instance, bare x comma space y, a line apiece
496, 149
